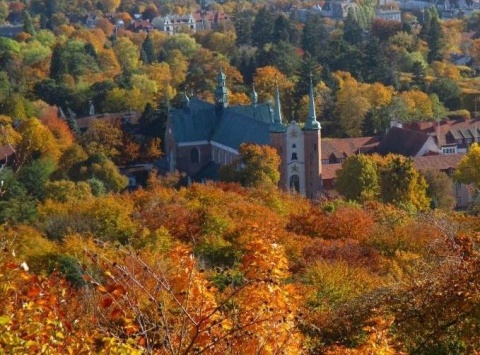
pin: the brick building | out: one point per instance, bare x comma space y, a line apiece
201, 136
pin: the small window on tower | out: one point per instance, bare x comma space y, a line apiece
294, 156
294, 146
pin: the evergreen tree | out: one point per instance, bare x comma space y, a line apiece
374, 63
419, 76
243, 23
148, 50
315, 36
309, 68
263, 27
434, 39
28, 24
57, 64
285, 30
352, 31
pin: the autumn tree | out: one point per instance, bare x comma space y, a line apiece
257, 166
468, 171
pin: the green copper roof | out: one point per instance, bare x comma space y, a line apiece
260, 112
195, 123
234, 129
238, 124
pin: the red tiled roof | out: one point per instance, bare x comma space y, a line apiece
329, 171
345, 147
6, 151
437, 162
84, 122
454, 126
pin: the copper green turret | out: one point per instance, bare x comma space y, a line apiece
312, 124
221, 94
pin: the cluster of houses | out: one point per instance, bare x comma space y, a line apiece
203, 136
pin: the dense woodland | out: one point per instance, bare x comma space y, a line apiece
239, 266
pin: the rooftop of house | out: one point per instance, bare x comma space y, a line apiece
84, 123
459, 129
329, 171
403, 141
437, 162
6, 151
345, 147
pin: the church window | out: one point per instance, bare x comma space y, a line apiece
294, 146
195, 155
294, 156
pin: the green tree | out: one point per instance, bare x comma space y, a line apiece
315, 36
28, 24
243, 22
285, 30
352, 32
358, 179
447, 91
35, 176
263, 28
148, 51
418, 76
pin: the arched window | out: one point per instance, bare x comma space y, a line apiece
294, 183
195, 155
294, 156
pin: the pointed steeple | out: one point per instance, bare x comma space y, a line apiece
312, 124
221, 95
254, 97
277, 124
185, 100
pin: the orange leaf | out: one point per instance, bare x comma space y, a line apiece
116, 313
106, 302
34, 291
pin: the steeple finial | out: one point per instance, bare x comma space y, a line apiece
312, 123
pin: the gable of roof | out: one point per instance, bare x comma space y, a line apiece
345, 147
402, 141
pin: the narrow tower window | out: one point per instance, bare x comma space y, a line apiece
195, 155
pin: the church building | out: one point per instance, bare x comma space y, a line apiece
201, 136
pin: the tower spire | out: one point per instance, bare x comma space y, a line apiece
277, 124
254, 96
221, 95
312, 123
